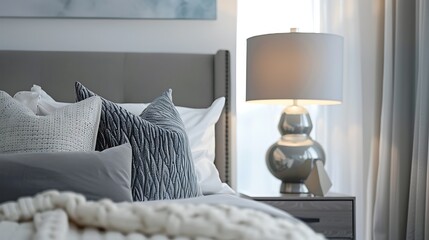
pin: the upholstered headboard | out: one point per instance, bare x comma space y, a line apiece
196, 80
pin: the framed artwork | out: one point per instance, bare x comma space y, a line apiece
132, 9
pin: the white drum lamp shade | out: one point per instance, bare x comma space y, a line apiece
295, 66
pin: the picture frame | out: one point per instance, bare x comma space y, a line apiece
125, 9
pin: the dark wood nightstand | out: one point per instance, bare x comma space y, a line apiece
332, 215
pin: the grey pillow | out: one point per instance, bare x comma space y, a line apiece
162, 160
71, 128
96, 175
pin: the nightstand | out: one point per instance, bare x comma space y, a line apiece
333, 215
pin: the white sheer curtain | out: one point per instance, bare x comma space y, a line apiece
387, 82
341, 128
350, 127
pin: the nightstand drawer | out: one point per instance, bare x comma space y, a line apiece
333, 218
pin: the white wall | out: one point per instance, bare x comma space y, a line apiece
187, 36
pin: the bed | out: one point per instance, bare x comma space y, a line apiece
174, 94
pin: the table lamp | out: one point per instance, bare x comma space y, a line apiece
295, 69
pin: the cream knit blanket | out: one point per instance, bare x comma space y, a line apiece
54, 214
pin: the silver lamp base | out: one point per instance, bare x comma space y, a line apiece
295, 188
293, 156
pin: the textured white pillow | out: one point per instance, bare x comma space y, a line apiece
199, 125
72, 128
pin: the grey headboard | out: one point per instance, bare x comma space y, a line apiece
196, 80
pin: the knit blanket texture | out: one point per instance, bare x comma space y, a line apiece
67, 215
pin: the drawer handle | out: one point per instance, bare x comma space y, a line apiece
309, 220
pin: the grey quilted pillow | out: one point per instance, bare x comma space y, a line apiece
72, 128
162, 164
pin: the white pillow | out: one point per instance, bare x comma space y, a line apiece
69, 129
199, 124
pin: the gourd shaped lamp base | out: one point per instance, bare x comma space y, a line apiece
293, 156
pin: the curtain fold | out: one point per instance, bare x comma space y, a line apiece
391, 65
397, 121
418, 209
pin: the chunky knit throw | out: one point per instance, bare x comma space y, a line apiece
54, 214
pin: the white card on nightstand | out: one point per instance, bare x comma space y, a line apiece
318, 182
